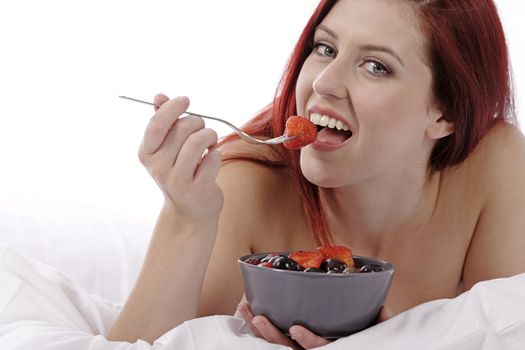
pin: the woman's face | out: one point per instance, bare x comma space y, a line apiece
368, 72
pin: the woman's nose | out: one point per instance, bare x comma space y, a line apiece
331, 81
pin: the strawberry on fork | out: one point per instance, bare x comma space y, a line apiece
304, 130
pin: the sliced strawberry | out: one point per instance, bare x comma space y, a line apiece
303, 128
308, 259
340, 252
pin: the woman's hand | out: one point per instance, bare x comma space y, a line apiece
302, 338
180, 155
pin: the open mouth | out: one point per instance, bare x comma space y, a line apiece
330, 129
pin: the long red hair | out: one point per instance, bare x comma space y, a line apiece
472, 86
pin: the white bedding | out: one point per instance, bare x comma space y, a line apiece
101, 246
41, 308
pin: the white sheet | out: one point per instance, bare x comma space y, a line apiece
80, 238
41, 308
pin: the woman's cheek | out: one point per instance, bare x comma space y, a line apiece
304, 89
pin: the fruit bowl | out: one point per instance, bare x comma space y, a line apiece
331, 305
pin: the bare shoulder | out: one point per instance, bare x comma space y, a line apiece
502, 143
498, 159
497, 167
247, 181
266, 194
492, 170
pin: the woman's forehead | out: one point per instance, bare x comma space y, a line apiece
392, 23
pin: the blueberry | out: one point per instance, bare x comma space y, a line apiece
371, 268
377, 268
365, 268
333, 265
270, 258
285, 263
279, 263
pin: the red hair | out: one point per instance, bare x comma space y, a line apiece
471, 85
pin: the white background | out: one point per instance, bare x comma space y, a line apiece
65, 137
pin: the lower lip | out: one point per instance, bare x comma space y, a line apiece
329, 146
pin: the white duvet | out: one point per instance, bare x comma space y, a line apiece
41, 308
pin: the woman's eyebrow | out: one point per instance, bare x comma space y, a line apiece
368, 47
328, 31
382, 49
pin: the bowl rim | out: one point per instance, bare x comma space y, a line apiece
389, 267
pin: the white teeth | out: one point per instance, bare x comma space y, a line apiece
324, 120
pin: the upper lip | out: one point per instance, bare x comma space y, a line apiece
330, 113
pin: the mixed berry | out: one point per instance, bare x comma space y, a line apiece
326, 259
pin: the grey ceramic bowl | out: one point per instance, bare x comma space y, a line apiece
330, 305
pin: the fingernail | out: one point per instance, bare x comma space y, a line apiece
296, 335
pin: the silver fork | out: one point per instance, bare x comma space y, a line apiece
242, 134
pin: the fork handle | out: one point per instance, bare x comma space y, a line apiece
187, 112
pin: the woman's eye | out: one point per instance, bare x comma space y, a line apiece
376, 68
324, 50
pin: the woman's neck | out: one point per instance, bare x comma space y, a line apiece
376, 214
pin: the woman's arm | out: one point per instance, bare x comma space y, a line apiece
168, 288
222, 288
497, 246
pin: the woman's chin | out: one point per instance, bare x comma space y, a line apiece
319, 177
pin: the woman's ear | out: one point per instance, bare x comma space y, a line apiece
440, 128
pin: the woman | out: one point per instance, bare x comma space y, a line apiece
429, 176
